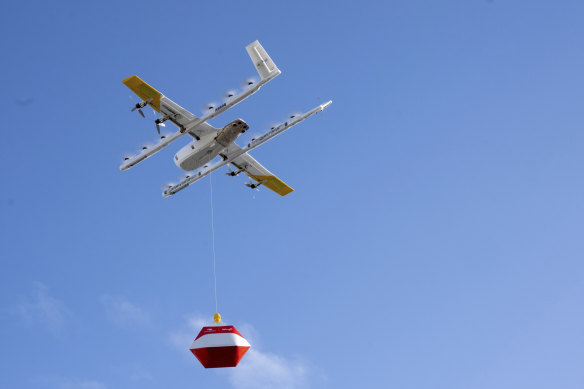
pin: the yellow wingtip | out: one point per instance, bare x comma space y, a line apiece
144, 91
273, 183
127, 79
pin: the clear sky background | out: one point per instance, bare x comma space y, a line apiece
434, 238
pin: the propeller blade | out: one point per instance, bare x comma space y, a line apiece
229, 94
139, 106
208, 107
249, 82
133, 102
231, 171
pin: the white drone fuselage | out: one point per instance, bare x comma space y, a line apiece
204, 150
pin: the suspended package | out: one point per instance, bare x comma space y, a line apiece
219, 346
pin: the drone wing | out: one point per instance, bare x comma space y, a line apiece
244, 162
165, 106
239, 158
260, 174
171, 112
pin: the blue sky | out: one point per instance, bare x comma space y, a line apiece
433, 239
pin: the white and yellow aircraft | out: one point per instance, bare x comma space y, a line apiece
198, 156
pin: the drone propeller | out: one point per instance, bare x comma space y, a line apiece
159, 121
229, 94
139, 110
253, 185
249, 82
209, 107
232, 172
168, 185
140, 105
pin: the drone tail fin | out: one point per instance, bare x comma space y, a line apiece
262, 61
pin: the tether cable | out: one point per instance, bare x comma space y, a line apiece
213, 241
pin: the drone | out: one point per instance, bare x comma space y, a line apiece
199, 157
